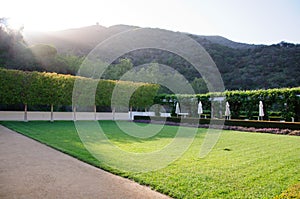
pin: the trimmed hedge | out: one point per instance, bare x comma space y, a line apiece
243, 123
35, 88
283, 103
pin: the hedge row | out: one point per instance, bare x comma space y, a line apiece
35, 88
282, 103
242, 123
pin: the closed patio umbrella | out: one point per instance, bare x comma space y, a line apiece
177, 110
227, 111
261, 110
200, 109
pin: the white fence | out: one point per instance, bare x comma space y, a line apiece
38, 115
35, 115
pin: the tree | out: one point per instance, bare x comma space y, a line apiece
199, 86
45, 56
43, 51
116, 71
12, 45
70, 63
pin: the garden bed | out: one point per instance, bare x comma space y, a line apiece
285, 128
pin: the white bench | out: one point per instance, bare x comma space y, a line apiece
136, 113
183, 114
165, 114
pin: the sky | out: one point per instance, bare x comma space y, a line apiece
246, 21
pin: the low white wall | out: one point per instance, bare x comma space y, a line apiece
136, 113
19, 116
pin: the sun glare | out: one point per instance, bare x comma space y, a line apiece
214, 17
15, 23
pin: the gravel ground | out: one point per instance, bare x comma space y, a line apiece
29, 169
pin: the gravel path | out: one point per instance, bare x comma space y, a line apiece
29, 169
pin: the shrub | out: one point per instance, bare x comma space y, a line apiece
35, 88
283, 103
240, 125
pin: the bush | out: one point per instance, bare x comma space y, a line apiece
253, 126
279, 104
35, 88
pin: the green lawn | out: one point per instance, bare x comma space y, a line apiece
241, 165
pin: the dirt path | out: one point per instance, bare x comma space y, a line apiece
29, 169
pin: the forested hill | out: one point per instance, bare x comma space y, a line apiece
81, 41
242, 66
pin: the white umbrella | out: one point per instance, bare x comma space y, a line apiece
177, 110
261, 109
200, 109
227, 110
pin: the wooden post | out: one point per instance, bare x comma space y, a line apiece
25, 113
131, 113
221, 112
74, 113
113, 112
95, 112
51, 114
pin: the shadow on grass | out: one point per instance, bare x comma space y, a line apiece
114, 133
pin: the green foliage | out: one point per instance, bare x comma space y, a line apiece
199, 86
242, 123
15, 54
13, 49
12, 90
242, 66
144, 95
104, 93
285, 101
170, 80
256, 67
43, 51
34, 88
116, 71
241, 165
249, 68
70, 63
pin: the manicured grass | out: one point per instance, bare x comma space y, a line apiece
241, 165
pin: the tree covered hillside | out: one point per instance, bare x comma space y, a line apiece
242, 66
